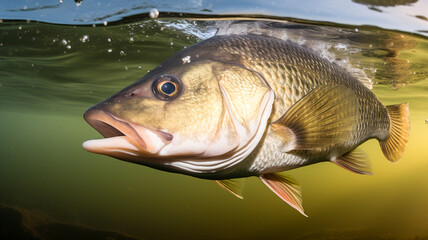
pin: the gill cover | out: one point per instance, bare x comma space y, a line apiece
247, 104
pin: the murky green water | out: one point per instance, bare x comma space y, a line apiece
50, 74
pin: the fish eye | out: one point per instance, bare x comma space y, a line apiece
167, 87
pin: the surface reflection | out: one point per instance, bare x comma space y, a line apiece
385, 3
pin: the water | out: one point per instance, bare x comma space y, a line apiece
50, 74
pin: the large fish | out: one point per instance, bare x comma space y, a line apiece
236, 106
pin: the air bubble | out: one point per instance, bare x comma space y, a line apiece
122, 53
131, 39
64, 42
85, 38
109, 50
154, 13
68, 47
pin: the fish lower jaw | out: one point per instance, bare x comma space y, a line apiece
119, 147
123, 139
124, 147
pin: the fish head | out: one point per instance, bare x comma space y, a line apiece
188, 117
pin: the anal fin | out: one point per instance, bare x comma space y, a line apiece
234, 186
285, 188
355, 161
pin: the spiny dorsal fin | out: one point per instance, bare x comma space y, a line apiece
285, 188
234, 186
355, 161
324, 117
394, 146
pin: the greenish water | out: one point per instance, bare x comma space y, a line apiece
50, 74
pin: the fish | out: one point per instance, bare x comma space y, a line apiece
237, 106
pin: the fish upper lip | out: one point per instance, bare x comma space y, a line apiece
110, 126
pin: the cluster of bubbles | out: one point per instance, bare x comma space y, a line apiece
66, 43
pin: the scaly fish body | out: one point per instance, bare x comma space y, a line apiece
238, 106
292, 72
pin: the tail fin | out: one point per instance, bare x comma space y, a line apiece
393, 147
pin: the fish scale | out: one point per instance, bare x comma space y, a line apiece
304, 71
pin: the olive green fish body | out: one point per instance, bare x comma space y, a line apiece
292, 72
235, 106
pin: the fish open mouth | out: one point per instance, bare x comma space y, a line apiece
122, 139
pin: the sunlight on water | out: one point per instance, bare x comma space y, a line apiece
50, 74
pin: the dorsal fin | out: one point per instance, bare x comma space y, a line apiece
355, 161
234, 186
361, 76
394, 146
328, 112
285, 188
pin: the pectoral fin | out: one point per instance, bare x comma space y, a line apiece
355, 161
324, 117
285, 188
234, 186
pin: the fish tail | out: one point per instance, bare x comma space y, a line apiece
394, 146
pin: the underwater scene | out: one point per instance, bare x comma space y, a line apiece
59, 58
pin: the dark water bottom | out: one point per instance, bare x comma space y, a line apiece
19, 223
